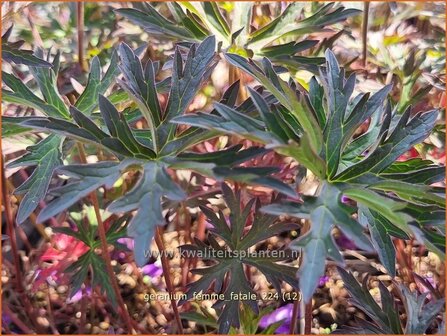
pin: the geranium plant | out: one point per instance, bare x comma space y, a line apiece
271, 157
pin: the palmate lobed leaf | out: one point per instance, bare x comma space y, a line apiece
193, 22
46, 156
153, 22
120, 140
420, 314
21, 94
286, 25
231, 266
327, 115
11, 52
138, 148
278, 27
99, 277
97, 84
210, 17
186, 80
20, 56
404, 136
386, 317
90, 260
276, 127
285, 94
324, 212
145, 197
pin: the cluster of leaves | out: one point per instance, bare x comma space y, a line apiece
362, 185
317, 128
418, 64
47, 155
229, 263
11, 52
150, 151
250, 322
386, 317
194, 21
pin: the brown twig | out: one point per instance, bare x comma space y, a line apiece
365, 32
11, 231
13, 242
308, 318
167, 276
295, 311
80, 28
83, 318
16, 320
305, 318
50, 313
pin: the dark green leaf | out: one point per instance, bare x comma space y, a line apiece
47, 82
11, 52
86, 178
11, 127
381, 239
229, 264
46, 156
96, 84
186, 82
145, 197
363, 300
155, 23
405, 135
288, 49
20, 94
279, 26
420, 314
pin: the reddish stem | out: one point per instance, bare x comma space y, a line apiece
105, 252
16, 320
167, 276
308, 318
294, 317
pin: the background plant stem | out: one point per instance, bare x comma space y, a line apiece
166, 274
13, 242
80, 29
365, 32
105, 252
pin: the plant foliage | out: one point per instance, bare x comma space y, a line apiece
317, 128
194, 21
151, 151
137, 116
386, 317
229, 260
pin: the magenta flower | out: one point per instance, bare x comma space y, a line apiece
323, 281
152, 270
344, 242
78, 295
283, 314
